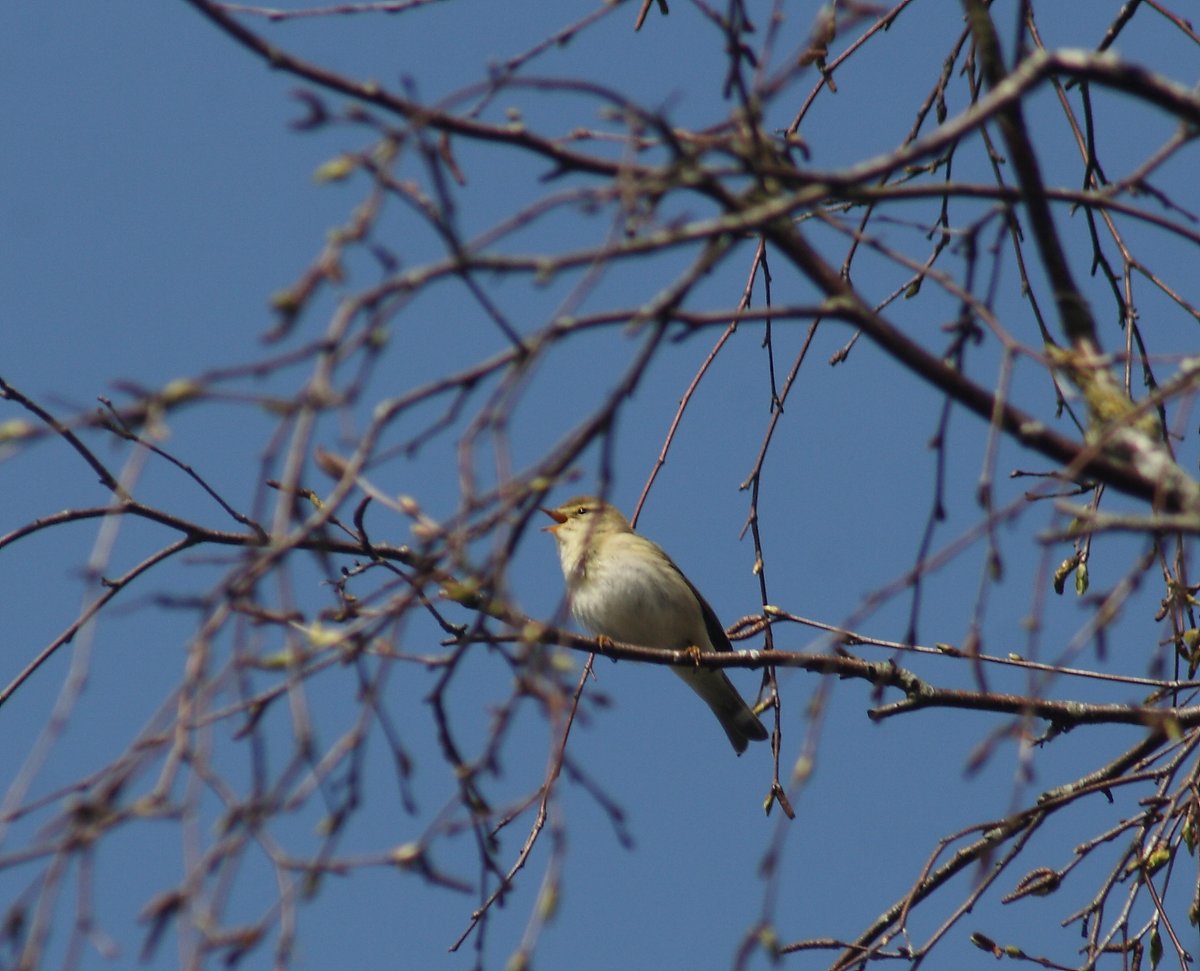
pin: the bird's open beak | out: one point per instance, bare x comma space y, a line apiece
558, 517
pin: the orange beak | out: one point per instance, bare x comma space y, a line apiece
558, 517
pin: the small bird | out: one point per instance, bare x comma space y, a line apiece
624, 587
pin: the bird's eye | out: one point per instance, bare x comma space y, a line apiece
581, 511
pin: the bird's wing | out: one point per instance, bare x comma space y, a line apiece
712, 623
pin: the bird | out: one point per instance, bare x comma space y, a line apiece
624, 587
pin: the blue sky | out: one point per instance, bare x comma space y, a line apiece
153, 197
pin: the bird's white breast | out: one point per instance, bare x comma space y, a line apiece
633, 593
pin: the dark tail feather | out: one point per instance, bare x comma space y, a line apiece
740, 723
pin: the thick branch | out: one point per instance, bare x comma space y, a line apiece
918, 693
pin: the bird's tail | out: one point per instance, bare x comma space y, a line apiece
739, 721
